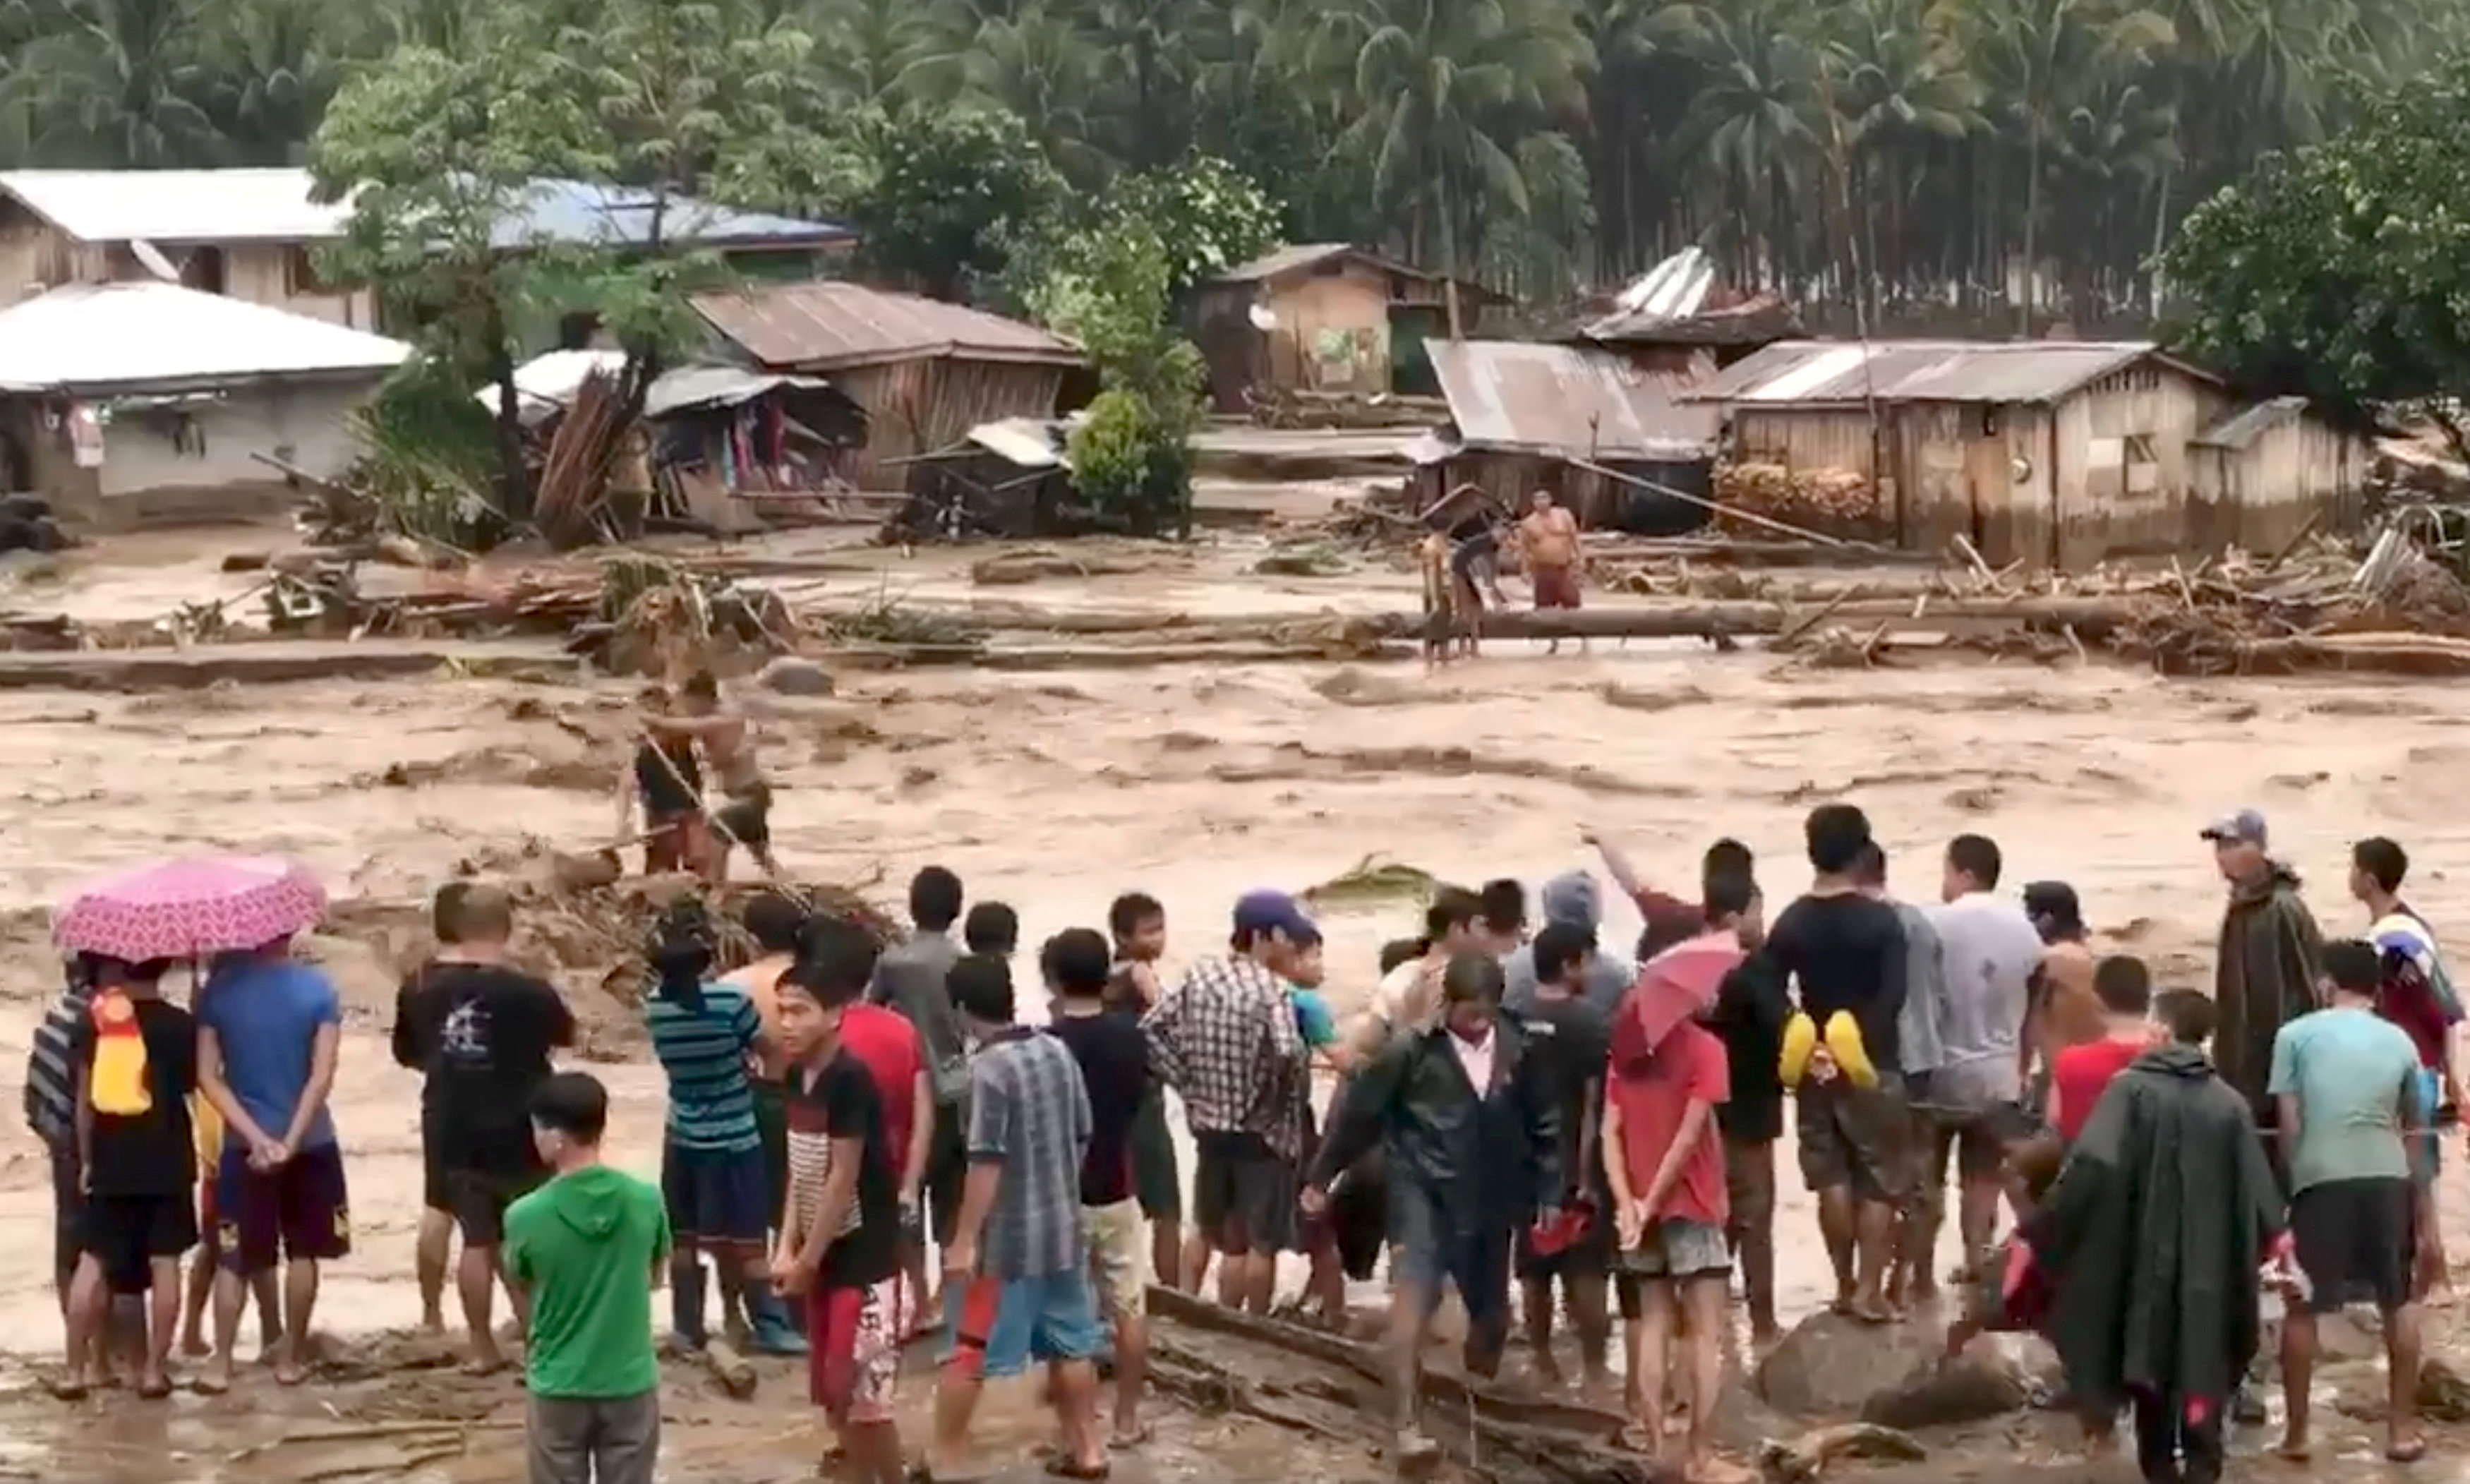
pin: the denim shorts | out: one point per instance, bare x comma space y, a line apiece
999, 1325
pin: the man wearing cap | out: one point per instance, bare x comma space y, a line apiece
1571, 897
1226, 1039
2270, 956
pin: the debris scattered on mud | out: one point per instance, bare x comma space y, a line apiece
1373, 883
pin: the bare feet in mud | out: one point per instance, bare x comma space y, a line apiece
1712, 1468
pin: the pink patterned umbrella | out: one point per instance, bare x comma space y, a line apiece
190, 908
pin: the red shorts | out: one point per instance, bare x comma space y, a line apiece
299, 1209
681, 845
1555, 587
854, 1360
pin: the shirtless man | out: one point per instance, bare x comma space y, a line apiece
1549, 540
2065, 1010
729, 746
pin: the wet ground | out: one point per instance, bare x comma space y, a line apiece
1057, 791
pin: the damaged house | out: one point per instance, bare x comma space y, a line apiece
2055, 454
925, 372
1604, 435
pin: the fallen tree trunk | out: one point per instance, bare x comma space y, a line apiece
1335, 1388
2090, 619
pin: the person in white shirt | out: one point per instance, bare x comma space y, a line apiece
1987, 951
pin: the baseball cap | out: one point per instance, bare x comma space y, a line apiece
2245, 827
1273, 912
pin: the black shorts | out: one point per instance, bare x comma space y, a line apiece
129, 1234
68, 1213
2355, 1241
947, 1169
1243, 1196
1155, 1179
748, 815
436, 1191
478, 1199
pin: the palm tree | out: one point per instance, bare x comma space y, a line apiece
1438, 89
118, 83
2043, 57
1751, 125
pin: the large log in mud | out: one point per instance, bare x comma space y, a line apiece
2090, 619
1334, 1387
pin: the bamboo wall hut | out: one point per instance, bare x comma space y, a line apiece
1324, 317
925, 372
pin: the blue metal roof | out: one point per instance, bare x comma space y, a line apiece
580, 213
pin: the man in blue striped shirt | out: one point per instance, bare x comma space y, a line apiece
713, 1174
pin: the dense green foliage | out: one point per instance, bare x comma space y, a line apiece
1920, 149
2343, 272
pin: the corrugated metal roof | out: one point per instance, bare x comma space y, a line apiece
1030, 442
828, 326
582, 213
1842, 372
690, 387
2243, 428
147, 334
1561, 399
177, 205
1279, 262
1675, 289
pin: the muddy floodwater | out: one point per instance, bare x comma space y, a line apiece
1056, 791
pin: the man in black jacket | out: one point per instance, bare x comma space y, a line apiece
1456, 1109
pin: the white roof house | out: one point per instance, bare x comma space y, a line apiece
178, 206
148, 336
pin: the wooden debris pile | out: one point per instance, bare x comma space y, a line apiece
632, 613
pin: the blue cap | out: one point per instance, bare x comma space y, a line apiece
2245, 827
1274, 912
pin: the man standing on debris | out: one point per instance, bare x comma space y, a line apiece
2272, 954
1547, 537
666, 783
729, 744
1473, 1140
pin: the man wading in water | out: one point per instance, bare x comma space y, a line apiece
729, 743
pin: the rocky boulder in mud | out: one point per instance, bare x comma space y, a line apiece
1894, 1375
792, 677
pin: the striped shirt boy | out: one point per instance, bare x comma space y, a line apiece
705, 1051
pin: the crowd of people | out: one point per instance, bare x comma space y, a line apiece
865, 1146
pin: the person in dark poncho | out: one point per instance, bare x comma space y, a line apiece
2151, 1240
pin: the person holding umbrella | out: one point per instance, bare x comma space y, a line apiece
267, 1035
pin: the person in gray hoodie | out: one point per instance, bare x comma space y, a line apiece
1571, 897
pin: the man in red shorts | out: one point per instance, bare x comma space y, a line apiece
268, 1030
857, 1150
1549, 540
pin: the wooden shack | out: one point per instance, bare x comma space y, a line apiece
2057, 453
925, 372
1324, 317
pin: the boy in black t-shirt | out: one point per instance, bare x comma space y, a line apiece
840, 1233
1570, 1040
1115, 1057
135, 1060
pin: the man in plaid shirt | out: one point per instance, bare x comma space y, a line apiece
1226, 1039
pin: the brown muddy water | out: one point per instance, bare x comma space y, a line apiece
1054, 792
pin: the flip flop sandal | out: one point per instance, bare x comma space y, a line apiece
1130, 1440
1062, 1468
153, 1390
208, 1386
68, 1390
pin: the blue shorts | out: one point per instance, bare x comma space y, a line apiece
2426, 1154
1000, 1324
717, 1199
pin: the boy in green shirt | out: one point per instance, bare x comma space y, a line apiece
588, 1249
